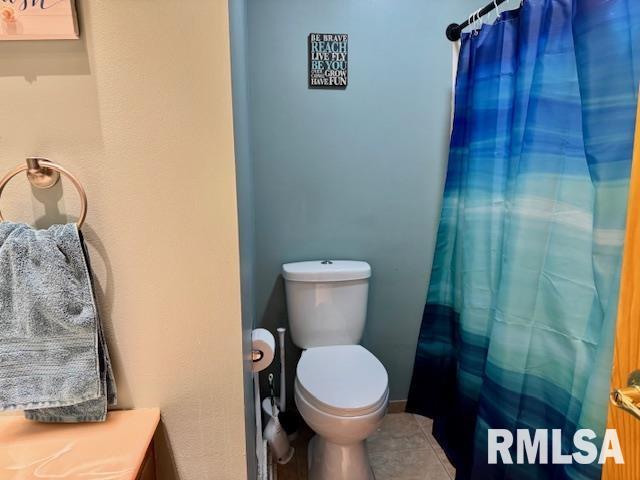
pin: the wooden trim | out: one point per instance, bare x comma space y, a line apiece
397, 406
626, 357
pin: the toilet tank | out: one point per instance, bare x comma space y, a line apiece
326, 301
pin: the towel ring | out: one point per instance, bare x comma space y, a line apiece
43, 173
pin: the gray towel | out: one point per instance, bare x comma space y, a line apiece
54, 362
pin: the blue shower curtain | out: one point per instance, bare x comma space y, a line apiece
518, 328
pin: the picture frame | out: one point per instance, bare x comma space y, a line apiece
38, 20
328, 60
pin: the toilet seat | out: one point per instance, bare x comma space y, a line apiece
343, 380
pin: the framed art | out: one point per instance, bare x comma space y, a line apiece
38, 20
328, 60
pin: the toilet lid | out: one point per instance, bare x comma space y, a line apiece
345, 380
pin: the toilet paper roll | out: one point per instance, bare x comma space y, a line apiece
263, 341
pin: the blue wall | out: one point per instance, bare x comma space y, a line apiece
353, 174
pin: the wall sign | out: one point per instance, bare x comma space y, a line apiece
38, 20
328, 58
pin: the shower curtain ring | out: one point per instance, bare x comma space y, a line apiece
477, 23
497, 7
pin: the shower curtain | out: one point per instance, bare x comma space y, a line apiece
518, 328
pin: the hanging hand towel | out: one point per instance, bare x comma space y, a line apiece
54, 362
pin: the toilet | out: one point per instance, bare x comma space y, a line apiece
341, 389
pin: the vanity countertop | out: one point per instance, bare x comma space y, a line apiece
111, 450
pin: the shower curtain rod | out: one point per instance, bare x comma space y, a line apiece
454, 30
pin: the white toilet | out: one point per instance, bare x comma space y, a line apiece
341, 389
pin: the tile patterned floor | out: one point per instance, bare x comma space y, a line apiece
402, 449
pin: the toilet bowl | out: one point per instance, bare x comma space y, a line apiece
342, 393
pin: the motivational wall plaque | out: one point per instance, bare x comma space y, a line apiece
328, 60
38, 20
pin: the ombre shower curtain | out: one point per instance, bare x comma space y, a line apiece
518, 327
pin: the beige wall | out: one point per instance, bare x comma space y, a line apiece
140, 110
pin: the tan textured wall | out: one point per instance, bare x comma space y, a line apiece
140, 110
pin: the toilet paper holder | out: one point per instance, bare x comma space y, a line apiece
262, 349
257, 355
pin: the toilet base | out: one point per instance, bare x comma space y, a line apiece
331, 461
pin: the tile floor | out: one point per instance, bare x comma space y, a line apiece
401, 449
